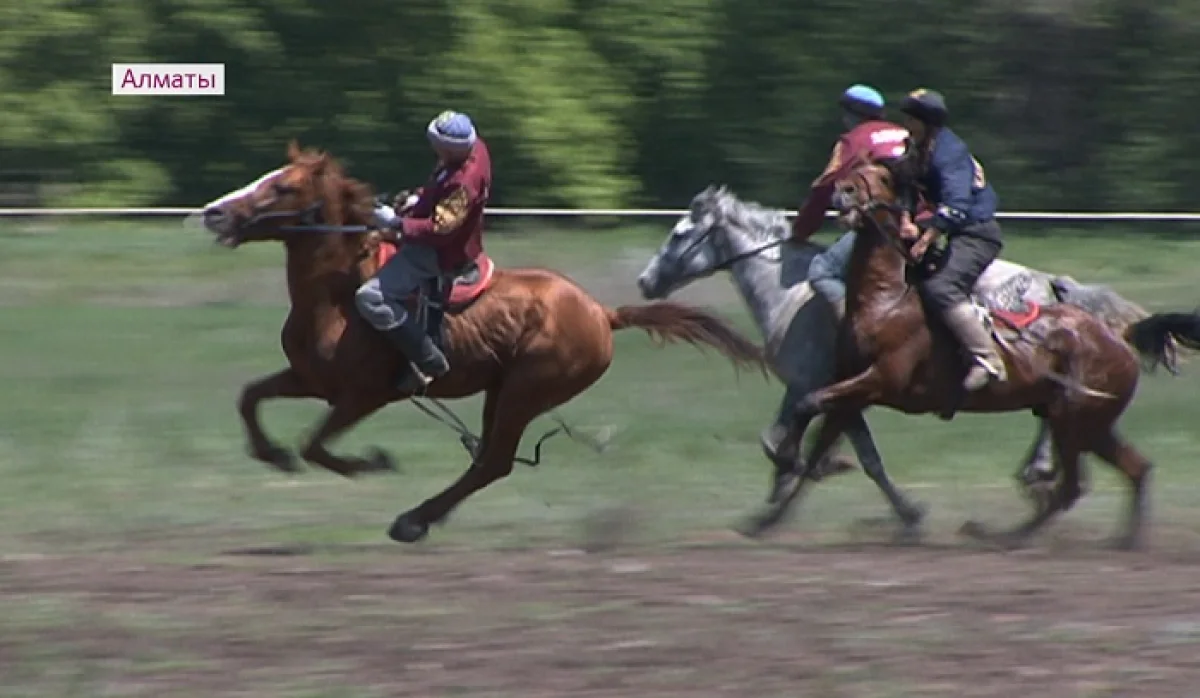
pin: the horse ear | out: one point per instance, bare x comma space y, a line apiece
321, 164
293, 150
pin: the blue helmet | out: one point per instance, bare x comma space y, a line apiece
452, 131
863, 101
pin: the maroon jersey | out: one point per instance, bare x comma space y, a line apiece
876, 139
448, 214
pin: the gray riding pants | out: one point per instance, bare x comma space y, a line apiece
827, 271
381, 298
967, 256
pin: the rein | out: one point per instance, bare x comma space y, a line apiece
734, 259
308, 221
890, 231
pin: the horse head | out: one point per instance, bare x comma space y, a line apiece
717, 231
309, 192
866, 197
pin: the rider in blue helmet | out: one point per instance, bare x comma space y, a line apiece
867, 134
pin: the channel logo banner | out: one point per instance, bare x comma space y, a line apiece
169, 79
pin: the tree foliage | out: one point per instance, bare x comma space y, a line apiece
1068, 103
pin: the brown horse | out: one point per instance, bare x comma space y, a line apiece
529, 339
1063, 364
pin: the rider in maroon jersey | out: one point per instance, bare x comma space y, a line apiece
867, 135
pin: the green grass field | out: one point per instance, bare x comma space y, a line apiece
123, 348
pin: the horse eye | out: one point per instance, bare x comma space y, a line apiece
282, 189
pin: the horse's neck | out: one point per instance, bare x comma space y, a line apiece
876, 272
321, 275
758, 279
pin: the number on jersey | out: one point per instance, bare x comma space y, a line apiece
980, 179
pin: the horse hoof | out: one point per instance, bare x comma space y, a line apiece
379, 461
758, 524
1001, 541
277, 457
974, 529
913, 515
908, 535
407, 528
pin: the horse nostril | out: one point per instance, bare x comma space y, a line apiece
213, 214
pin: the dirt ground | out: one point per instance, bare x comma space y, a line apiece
712, 619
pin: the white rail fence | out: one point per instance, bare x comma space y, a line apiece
599, 213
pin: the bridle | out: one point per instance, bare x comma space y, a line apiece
872, 205
730, 258
309, 219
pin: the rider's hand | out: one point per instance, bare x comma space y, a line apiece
909, 230
404, 201
380, 235
921, 246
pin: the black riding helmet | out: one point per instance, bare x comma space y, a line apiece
926, 106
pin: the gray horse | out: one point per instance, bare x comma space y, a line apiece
722, 233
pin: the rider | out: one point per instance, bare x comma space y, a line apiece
441, 232
867, 134
964, 209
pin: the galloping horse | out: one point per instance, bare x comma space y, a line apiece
529, 339
1063, 364
721, 232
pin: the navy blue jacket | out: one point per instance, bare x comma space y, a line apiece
956, 185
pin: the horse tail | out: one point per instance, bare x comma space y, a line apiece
666, 321
1156, 337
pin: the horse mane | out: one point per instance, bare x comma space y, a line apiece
763, 224
345, 197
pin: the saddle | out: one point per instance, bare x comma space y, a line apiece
446, 295
1004, 312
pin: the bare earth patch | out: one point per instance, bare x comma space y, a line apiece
702, 621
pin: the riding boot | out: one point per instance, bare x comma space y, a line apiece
964, 322
426, 361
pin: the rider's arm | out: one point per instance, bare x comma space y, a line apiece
955, 170
448, 215
812, 212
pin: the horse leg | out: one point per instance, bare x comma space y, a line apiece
781, 445
345, 413
1067, 452
511, 409
1115, 451
790, 484
909, 513
781, 441
1036, 475
858, 392
851, 395
285, 383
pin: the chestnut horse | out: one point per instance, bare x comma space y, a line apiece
529, 339
1065, 365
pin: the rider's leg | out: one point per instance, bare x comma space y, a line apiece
381, 301
827, 271
948, 292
